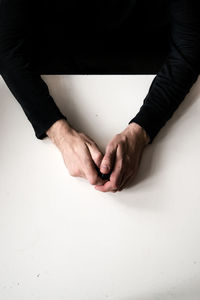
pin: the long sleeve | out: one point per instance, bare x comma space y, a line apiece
15, 68
179, 71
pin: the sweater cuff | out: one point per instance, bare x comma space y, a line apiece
149, 120
40, 130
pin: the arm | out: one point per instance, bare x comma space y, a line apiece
178, 73
27, 87
80, 153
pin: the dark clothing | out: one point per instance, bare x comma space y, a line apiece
99, 37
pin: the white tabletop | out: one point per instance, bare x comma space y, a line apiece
61, 239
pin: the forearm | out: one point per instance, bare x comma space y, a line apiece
179, 71
32, 94
15, 67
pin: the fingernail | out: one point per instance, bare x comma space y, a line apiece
106, 168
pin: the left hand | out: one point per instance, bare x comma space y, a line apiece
122, 157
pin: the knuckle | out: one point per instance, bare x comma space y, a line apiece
114, 186
74, 173
117, 135
123, 138
93, 180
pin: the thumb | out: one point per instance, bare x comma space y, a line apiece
108, 161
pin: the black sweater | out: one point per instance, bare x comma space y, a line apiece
34, 32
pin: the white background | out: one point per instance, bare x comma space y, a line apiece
62, 239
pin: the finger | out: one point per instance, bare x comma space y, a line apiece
108, 159
123, 178
96, 154
116, 175
89, 168
126, 182
97, 157
106, 187
119, 170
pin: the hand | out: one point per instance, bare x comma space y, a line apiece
80, 153
122, 157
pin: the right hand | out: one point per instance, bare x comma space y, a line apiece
80, 153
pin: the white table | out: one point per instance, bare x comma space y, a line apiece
61, 239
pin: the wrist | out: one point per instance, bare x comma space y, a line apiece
136, 128
58, 131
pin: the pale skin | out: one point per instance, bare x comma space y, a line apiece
80, 154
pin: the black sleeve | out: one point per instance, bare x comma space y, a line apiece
179, 71
26, 85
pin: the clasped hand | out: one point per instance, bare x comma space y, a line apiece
122, 157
